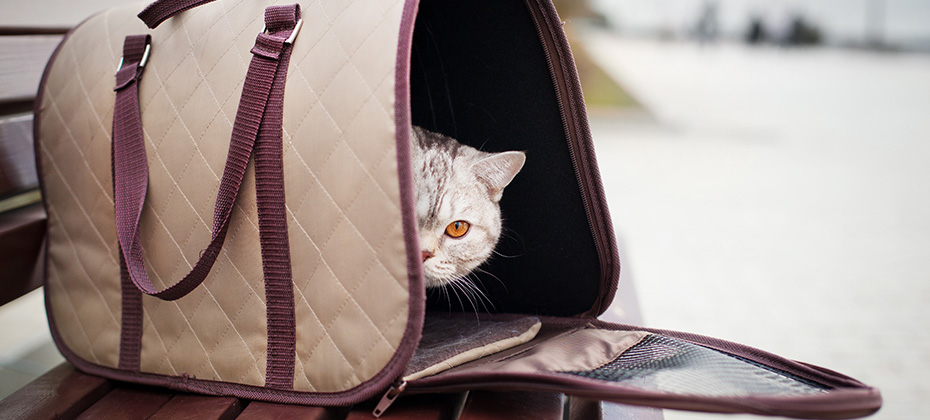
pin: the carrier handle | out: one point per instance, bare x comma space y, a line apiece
261, 101
160, 10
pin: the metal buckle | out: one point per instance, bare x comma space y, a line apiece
290, 39
145, 58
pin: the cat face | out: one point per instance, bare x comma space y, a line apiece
458, 212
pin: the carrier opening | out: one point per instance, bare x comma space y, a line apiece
479, 73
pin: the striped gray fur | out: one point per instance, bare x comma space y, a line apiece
455, 182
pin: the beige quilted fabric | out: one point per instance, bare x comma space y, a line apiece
347, 245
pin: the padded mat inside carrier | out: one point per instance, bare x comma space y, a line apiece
449, 342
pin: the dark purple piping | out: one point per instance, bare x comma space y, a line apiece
402, 123
841, 403
575, 119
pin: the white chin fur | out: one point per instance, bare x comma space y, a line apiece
433, 279
430, 279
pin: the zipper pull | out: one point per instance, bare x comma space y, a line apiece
392, 393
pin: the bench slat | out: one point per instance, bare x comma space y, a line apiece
584, 409
127, 403
22, 233
22, 61
62, 393
268, 411
415, 407
197, 407
517, 405
17, 155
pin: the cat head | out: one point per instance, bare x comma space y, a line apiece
459, 189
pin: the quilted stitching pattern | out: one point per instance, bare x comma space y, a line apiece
340, 175
77, 180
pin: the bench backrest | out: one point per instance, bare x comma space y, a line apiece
29, 33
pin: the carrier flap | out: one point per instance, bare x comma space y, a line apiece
665, 369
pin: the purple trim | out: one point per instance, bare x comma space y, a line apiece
837, 404
575, 119
280, 22
402, 124
161, 10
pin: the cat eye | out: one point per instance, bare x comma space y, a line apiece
457, 229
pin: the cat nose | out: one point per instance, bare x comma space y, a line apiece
427, 255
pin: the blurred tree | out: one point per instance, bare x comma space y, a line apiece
600, 90
573, 8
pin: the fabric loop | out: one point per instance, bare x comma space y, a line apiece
127, 74
268, 46
130, 65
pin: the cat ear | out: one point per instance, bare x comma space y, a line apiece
498, 169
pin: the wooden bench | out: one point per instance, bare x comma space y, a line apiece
65, 393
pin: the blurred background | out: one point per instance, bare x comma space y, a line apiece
767, 164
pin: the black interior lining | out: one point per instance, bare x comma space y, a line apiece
479, 74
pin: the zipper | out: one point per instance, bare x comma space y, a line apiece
389, 397
839, 403
574, 135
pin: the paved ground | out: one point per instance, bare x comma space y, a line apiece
26, 348
780, 199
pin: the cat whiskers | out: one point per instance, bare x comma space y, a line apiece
486, 272
466, 287
511, 236
505, 255
479, 294
443, 294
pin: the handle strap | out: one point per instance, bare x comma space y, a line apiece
258, 126
127, 124
130, 168
282, 23
160, 10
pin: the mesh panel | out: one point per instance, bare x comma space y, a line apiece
664, 364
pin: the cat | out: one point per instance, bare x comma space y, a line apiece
458, 193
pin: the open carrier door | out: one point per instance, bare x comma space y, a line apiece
499, 75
